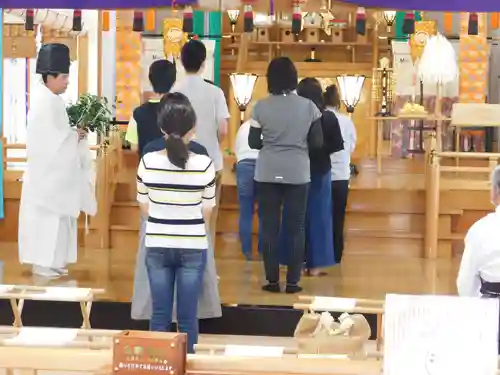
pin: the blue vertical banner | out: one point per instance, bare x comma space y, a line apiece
1, 118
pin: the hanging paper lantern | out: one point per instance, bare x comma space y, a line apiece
30, 20
247, 19
361, 21
187, 20
296, 19
473, 28
138, 21
409, 23
77, 20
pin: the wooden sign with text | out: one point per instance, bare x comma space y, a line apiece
141, 352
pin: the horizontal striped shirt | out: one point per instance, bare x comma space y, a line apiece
175, 198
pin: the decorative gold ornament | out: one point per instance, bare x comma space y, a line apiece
413, 110
423, 31
173, 37
433, 159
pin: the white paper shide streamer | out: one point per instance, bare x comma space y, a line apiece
438, 64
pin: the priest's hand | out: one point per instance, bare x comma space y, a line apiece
82, 134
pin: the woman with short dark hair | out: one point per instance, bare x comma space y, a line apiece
176, 191
341, 170
284, 127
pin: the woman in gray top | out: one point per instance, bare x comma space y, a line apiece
284, 127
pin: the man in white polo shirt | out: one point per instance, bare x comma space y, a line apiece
210, 107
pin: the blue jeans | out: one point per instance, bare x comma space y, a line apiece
182, 269
245, 171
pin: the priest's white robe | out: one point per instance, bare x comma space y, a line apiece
58, 183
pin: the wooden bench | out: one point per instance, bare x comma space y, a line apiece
48, 337
17, 294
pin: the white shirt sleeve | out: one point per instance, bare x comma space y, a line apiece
142, 189
468, 280
209, 193
352, 136
221, 110
241, 141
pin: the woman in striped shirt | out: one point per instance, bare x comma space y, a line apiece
176, 191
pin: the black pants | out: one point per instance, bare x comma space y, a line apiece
340, 189
272, 197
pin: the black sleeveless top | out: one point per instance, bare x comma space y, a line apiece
146, 117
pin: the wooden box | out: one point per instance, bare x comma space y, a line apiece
63, 37
262, 34
142, 352
286, 35
337, 35
18, 43
362, 39
312, 34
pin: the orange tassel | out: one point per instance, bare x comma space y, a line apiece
495, 20
150, 20
105, 20
448, 23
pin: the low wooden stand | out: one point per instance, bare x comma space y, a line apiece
345, 305
17, 294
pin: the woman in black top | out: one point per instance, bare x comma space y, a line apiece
319, 239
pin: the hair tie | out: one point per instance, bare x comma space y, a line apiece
175, 135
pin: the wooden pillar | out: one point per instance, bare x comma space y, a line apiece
1, 119
128, 65
432, 175
83, 65
373, 104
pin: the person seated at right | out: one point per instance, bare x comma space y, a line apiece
479, 272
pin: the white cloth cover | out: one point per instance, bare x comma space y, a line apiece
209, 303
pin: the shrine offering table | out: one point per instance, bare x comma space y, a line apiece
17, 294
345, 305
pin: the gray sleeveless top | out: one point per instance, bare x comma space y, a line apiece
285, 122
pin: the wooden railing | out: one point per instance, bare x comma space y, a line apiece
108, 164
434, 169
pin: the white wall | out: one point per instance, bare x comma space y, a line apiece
91, 20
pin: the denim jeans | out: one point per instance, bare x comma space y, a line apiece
245, 171
182, 270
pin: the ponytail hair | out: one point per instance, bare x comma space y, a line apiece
311, 89
176, 118
331, 97
177, 151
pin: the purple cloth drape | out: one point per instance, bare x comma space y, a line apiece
425, 5
90, 4
431, 5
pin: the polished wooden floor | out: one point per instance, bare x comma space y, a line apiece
384, 242
240, 281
